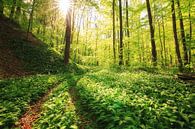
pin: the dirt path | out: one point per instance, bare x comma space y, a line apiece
33, 113
84, 121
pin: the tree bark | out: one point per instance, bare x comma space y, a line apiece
154, 53
67, 38
164, 40
161, 43
121, 34
183, 34
30, 22
114, 31
128, 33
1, 7
175, 35
190, 36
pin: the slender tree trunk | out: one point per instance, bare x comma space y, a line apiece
12, 10
142, 47
18, 11
175, 35
1, 7
30, 22
67, 37
86, 35
96, 45
154, 53
73, 24
121, 34
78, 34
128, 33
114, 31
161, 43
183, 34
190, 36
164, 40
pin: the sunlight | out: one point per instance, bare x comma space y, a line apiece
64, 6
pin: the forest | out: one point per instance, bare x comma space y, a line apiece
97, 64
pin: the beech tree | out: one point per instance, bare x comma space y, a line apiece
121, 34
175, 35
114, 30
67, 37
182, 31
152, 32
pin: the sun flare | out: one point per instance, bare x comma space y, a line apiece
64, 6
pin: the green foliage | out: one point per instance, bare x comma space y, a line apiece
38, 58
58, 111
136, 100
17, 94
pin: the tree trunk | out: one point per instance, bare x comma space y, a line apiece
128, 33
190, 36
30, 22
154, 53
1, 7
114, 31
67, 37
161, 43
164, 40
12, 9
18, 11
121, 34
182, 34
175, 36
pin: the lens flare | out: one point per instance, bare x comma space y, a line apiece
64, 6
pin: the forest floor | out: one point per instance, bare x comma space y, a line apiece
46, 94
10, 64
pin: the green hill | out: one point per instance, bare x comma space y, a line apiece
21, 56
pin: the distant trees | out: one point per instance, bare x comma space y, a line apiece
13, 8
18, 11
190, 30
114, 30
30, 21
127, 31
121, 34
106, 32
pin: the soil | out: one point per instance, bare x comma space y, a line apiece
10, 65
33, 113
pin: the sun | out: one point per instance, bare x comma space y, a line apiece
64, 6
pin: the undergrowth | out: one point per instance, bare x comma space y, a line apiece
137, 100
58, 111
37, 58
17, 94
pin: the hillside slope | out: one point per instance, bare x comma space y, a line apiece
19, 56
